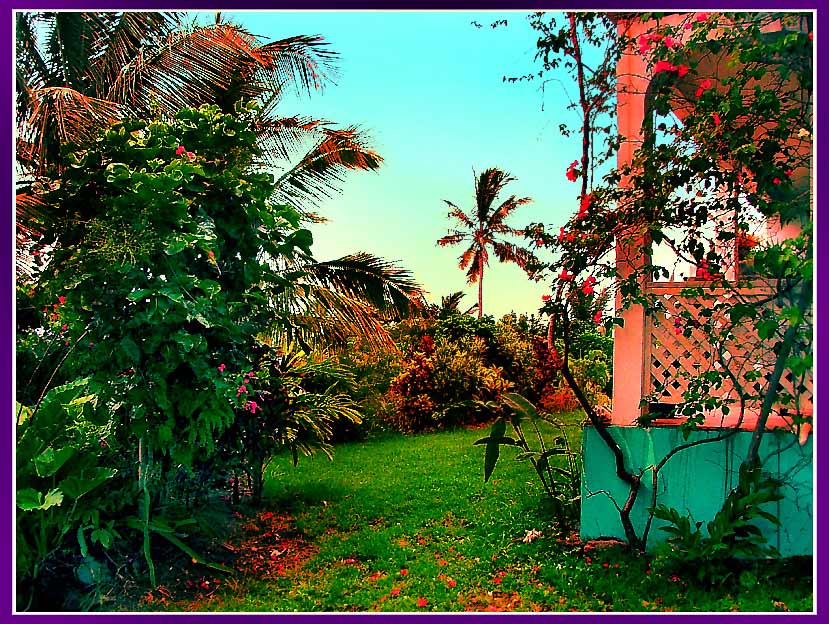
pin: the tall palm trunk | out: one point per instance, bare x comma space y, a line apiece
481, 293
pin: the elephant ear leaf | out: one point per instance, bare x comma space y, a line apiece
75, 487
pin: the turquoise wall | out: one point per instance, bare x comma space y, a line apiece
695, 480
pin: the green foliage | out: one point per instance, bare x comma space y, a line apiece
560, 478
732, 534
63, 456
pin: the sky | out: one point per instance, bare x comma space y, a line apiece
427, 88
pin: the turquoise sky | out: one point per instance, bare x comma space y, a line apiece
428, 88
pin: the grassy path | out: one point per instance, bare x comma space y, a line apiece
406, 524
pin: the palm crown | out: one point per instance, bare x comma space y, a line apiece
485, 229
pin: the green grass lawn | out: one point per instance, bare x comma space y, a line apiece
407, 524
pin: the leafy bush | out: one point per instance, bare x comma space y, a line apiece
731, 535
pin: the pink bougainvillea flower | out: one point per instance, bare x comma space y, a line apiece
404, 572
677, 330
688, 26
597, 318
565, 275
241, 390
191, 155
395, 591
252, 406
663, 66
588, 560
422, 602
571, 171
789, 173
64, 327
671, 42
221, 368
644, 44
681, 70
701, 17
716, 118
211, 255
180, 150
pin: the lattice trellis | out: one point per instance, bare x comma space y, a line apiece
674, 358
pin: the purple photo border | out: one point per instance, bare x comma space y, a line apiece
6, 23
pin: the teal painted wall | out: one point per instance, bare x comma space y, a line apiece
695, 480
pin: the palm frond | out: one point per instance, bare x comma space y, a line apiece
282, 138
452, 238
477, 260
509, 252
322, 170
460, 215
378, 282
61, 115
117, 40
487, 188
505, 209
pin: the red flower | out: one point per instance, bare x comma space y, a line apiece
451, 583
62, 299
682, 70
442, 562
251, 407
588, 560
701, 17
789, 174
211, 255
422, 602
597, 318
221, 368
191, 155
496, 580
663, 66
180, 150
776, 181
571, 171
688, 26
587, 289
545, 297
716, 118
605, 565
404, 572
395, 591
561, 235
671, 42
565, 275
644, 44
64, 327
241, 390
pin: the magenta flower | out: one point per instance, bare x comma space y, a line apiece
221, 368
681, 70
62, 299
663, 66
701, 17
191, 155
241, 390
571, 171
252, 406
180, 150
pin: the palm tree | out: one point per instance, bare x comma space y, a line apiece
79, 71
481, 228
92, 69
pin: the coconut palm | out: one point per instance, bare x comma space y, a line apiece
79, 71
482, 228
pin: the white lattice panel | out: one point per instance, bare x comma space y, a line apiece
673, 358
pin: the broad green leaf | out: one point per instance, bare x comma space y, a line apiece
493, 448
51, 460
75, 487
